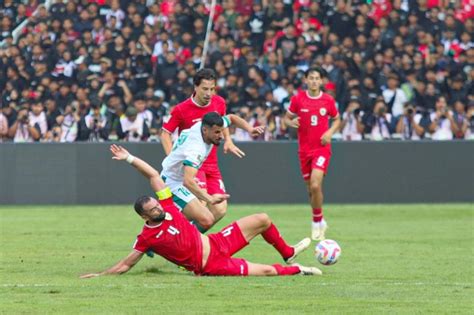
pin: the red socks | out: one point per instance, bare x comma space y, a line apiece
286, 270
273, 237
317, 215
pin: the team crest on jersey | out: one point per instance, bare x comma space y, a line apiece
323, 111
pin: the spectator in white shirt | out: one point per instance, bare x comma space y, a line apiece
22, 129
408, 125
352, 127
69, 123
115, 12
378, 123
132, 127
3, 127
38, 118
155, 17
443, 126
394, 96
140, 104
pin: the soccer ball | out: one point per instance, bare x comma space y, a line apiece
327, 252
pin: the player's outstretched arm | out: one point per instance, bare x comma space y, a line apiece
229, 145
122, 266
243, 124
201, 194
119, 153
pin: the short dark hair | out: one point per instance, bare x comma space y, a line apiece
139, 204
322, 72
204, 74
212, 119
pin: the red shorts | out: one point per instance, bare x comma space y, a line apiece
317, 159
223, 245
210, 181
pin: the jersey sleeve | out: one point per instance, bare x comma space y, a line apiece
173, 121
294, 105
193, 158
140, 245
227, 121
332, 111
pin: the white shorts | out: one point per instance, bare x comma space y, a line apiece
181, 195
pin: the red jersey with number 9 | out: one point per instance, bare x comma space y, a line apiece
313, 113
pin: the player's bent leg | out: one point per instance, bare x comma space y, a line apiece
254, 225
261, 223
195, 211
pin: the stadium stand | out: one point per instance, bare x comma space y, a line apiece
88, 70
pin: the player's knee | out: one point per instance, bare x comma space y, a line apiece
221, 211
314, 187
206, 221
263, 219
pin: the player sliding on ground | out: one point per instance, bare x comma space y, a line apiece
169, 234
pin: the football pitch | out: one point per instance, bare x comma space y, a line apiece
395, 259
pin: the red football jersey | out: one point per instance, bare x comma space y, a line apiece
314, 113
175, 239
187, 113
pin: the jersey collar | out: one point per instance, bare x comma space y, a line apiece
314, 97
195, 103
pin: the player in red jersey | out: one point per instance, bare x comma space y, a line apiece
310, 111
168, 233
185, 115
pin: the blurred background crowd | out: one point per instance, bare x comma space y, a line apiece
97, 70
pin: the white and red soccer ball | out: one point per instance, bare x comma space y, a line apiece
327, 252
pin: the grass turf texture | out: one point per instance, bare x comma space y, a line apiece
395, 259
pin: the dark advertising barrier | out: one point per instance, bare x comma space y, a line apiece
366, 172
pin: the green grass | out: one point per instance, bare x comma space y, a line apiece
395, 259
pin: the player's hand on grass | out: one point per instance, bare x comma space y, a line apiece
229, 146
89, 275
326, 138
294, 123
218, 198
119, 153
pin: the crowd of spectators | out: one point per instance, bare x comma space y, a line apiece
101, 70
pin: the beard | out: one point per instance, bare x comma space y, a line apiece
158, 218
